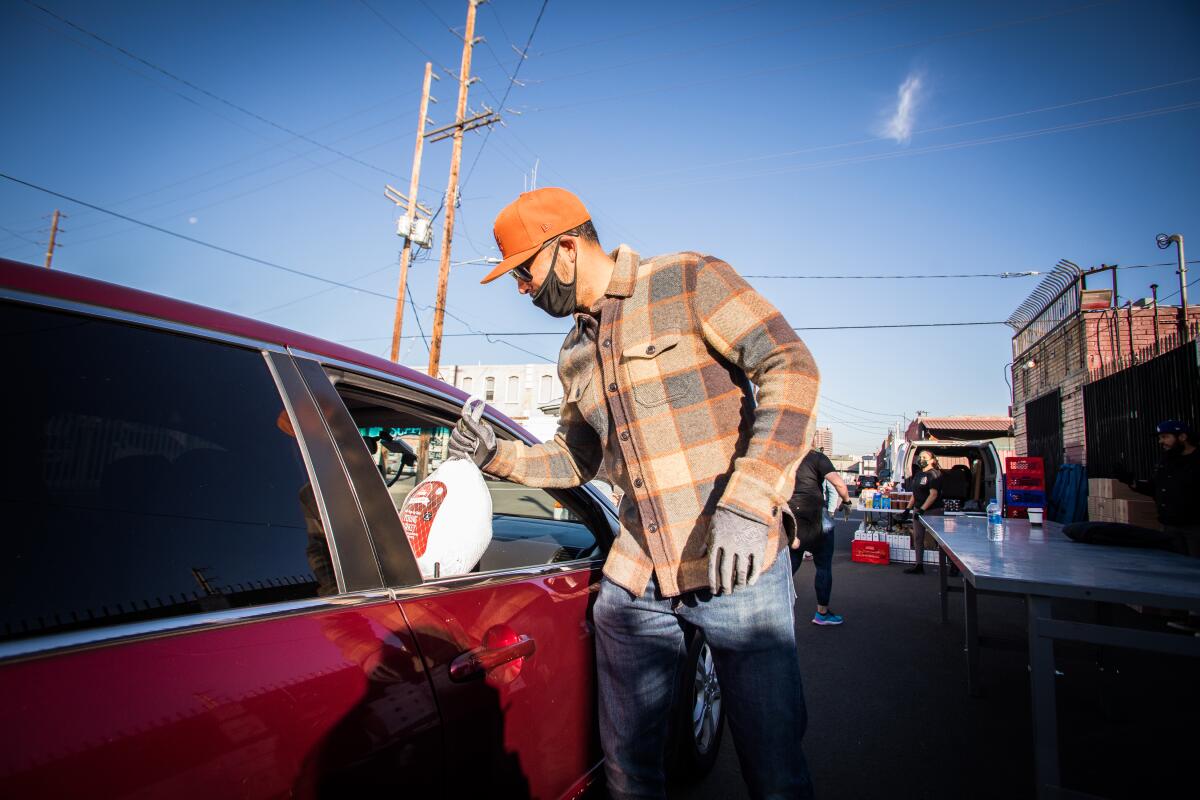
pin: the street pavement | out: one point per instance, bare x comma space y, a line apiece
889, 715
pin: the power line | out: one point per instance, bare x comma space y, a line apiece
417, 317
817, 328
512, 82
319, 292
439, 18
937, 129
401, 33
707, 49
594, 101
904, 325
493, 338
206, 92
261, 151
22, 237
507, 38
192, 239
904, 153
227, 181
1179, 291
856, 408
852, 426
886, 277
1028, 274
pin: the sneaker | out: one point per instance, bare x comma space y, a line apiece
919, 569
826, 619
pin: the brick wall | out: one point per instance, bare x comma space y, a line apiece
1065, 362
1059, 362
1108, 334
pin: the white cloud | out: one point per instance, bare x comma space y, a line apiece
899, 125
193, 220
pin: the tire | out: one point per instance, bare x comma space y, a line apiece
699, 717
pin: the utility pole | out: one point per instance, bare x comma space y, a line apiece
411, 215
1164, 241
461, 124
53, 236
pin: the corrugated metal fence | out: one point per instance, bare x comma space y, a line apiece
1121, 410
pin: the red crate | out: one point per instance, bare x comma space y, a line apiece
1024, 465
1016, 512
867, 552
1026, 481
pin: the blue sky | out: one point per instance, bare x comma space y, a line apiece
793, 138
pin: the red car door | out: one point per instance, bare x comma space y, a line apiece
310, 702
513, 669
508, 646
191, 603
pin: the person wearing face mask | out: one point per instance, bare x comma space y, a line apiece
657, 372
927, 490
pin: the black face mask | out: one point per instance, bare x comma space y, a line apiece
555, 297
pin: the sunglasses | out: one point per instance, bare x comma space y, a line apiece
522, 272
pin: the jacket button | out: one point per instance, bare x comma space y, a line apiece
637, 482
774, 511
653, 528
650, 350
624, 436
608, 342
612, 387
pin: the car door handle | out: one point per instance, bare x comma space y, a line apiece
484, 659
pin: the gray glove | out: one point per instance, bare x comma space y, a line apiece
737, 548
472, 438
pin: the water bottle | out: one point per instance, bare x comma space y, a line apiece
995, 521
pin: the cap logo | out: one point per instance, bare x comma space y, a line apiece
545, 227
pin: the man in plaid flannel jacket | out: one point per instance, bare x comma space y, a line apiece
657, 376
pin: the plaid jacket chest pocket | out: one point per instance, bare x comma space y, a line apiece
649, 365
583, 395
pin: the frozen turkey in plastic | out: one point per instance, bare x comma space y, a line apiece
448, 519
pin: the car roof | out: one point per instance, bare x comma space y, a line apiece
934, 444
25, 279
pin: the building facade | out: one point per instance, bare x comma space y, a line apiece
1063, 340
823, 440
529, 394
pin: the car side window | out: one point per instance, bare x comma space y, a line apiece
146, 475
530, 526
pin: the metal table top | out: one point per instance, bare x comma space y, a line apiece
1041, 560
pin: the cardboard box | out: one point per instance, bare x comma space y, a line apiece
1111, 488
1139, 512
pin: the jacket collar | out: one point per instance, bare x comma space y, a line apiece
625, 273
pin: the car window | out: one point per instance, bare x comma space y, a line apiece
530, 526
146, 475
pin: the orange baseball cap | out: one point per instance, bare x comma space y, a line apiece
530, 221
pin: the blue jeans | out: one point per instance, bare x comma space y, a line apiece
823, 561
640, 650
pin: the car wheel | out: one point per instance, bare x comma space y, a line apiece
700, 717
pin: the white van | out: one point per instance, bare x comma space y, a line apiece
971, 471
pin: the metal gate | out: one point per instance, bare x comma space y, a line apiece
1120, 411
1044, 434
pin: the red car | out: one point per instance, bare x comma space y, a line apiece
208, 592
